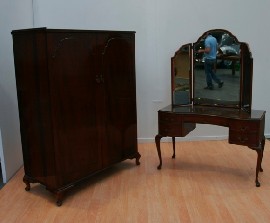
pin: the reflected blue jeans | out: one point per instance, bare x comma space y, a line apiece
209, 72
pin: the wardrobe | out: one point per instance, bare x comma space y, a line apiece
77, 103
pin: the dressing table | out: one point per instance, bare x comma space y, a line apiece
229, 106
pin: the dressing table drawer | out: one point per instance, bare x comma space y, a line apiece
179, 129
168, 118
244, 139
166, 129
244, 133
244, 126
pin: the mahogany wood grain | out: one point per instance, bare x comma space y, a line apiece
77, 103
245, 128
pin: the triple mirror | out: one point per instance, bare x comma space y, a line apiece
233, 65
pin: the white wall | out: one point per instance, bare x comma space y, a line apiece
14, 14
161, 28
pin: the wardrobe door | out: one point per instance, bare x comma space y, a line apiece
73, 96
118, 69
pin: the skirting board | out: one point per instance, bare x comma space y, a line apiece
187, 138
191, 138
2, 161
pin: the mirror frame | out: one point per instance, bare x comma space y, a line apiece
173, 72
246, 74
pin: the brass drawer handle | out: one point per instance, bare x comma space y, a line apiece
243, 139
169, 119
243, 129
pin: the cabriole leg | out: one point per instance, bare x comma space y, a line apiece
262, 146
27, 180
258, 167
28, 187
138, 156
59, 198
173, 140
157, 140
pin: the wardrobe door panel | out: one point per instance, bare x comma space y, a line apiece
118, 69
73, 95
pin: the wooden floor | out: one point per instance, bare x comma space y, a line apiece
209, 181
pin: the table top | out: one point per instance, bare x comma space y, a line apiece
214, 111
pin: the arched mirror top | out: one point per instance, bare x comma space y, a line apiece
221, 36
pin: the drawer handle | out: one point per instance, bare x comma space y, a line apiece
98, 80
169, 119
243, 129
243, 139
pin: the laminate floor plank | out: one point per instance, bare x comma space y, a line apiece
208, 181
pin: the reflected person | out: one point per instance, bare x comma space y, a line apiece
210, 54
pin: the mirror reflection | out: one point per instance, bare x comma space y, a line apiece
222, 87
181, 76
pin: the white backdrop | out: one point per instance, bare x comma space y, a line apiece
14, 14
161, 28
